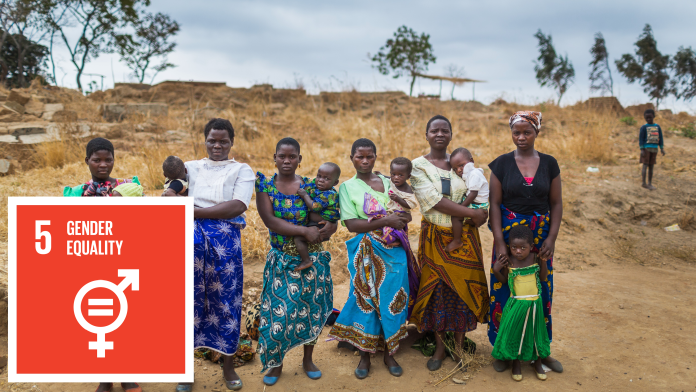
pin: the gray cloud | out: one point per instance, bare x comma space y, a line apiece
326, 43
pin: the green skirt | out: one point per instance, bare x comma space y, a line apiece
522, 334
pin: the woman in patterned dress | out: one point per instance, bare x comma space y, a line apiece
222, 190
525, 190
294, 304
374, 316
453, 292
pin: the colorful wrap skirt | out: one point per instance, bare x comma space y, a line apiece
500, 291
374, 317
453, 288
218, 283
294, 305
522, 334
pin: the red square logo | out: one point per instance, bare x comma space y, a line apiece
98, 280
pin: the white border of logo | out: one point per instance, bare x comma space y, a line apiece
12, 204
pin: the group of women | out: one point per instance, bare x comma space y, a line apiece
452, 290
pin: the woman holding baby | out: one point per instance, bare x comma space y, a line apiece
453, 293
295, 301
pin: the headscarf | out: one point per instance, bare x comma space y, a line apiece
534, 118
130, 189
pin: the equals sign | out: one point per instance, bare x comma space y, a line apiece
100, 302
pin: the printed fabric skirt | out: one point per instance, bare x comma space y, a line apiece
294, 305
453, 292
500, 291
523, 333
218, 283
374, 316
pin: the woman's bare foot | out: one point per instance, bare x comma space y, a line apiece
228, 369
440, 352
454, 245
304, 265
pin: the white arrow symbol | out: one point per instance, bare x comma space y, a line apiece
131, 277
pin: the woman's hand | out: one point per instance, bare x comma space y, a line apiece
312, 235
501, 252
396, 221
328, 230
547, 249
500, 264
480, 217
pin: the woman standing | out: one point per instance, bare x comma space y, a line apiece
100, 161
453, 292
378, 299
525, 190
222, 190
294, 304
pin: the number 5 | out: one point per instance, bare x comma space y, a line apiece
45, 234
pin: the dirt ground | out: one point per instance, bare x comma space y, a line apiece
624, 305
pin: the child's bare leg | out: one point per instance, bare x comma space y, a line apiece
456, 236
303, 250
538, 366
650, 174
516, 367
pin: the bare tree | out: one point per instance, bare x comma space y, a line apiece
600, 74
97, 21
151, 40
21, 24
454, 71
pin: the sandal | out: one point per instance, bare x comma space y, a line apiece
111, 386
136, 389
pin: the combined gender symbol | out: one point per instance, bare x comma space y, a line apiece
130, 278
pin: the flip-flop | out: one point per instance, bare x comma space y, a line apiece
313, 375
184, 388
234, 385
500, 366
268, 380
136, 389
361, 373
434, 364
554, 365
108, 390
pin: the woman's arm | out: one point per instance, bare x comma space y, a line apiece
265, 208
225, 210
556, 205
496, 199
364, 226
448, 207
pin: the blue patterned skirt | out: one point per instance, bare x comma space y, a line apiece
374, 317
294, 305
218, 283
500, 291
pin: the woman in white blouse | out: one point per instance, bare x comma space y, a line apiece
222, 189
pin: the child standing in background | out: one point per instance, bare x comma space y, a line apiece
649, 139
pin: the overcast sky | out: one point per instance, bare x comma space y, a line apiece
324, 44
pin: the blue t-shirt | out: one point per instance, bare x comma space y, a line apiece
650, 136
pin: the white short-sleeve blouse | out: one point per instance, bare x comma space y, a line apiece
214, 182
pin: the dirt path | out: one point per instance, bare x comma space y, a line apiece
624, 305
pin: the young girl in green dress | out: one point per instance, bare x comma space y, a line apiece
522, 334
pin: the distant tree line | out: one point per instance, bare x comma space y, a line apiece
659, 75
31, 30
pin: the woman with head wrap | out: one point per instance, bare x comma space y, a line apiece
525, 189
453, 291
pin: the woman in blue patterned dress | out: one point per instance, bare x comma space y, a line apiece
222, 190
294, 304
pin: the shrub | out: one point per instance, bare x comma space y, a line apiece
628, 120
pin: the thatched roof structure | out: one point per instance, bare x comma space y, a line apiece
457, 81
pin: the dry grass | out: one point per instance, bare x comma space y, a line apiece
576, 135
